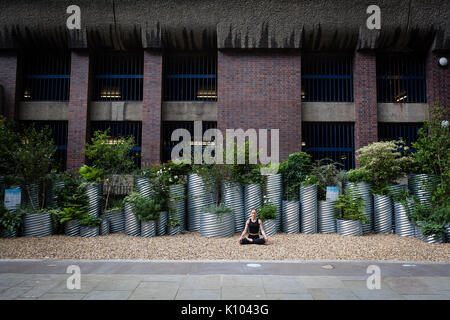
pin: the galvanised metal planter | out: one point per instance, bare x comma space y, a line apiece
327, 216
88, 232
428, 239
37, 225
117, 221
308, 209
363, 189
349, 227
148, 228
161, 223
51, 196
217, 225
403, 227
105, 226
30, 196
172, 231
382, 213
420, 184
274, 187
396, 189
132, 224
233, 198
270, 226
143, 186
8, 234
447, 233
72, 228
252, 199
198, 199
290, 222
177, 203
94, 193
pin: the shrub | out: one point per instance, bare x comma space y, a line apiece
351, 207
144, 208
90, 221
268, 211
326, 175
9, 220
294, 170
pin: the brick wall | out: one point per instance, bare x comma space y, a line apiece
78, 109
8, 75
151, 109
261, 91
438, 81
365, 97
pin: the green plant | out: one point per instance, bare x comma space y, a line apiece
268, 211
9, 220
9, 141
241, 170
71, 213
385, 162
115, 204
91, 174
294, 170
358, 175
90, 221
72, 195
174, 221
310, 179
430, 219
144, 208
351, 207
327, 174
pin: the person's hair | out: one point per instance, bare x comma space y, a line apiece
251, 210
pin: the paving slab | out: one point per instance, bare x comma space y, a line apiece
107, 295
318, 294
113, 284
243, 293
62, 296
194, 294
377, 294
340, 294
321, 282
242, 281
288, 296
425, 297
286, 284
206, 282
409, 285
13, 293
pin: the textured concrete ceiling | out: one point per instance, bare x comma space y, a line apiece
203, 24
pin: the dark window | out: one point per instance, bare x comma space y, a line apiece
118, 76
59, 135
190, 77
330, 140
170, 126
394, 131
122, 129
46, 76
401, 78
327, 78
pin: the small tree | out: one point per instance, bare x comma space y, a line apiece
112, 156
294, 170
9, 141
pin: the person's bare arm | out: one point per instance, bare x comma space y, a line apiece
262, 230
245, 230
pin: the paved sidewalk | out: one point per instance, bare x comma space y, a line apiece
214, 280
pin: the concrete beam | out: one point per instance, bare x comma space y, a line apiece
328, 112
402, 112
115, 111
44, 111
189, 111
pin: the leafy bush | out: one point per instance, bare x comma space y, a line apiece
91, 174
268, 211
243, 173
310, 180
174, 221
294, 170
351, 207
358, 175
9, 141
71, 213
90, 221
144, 208
326, 174
9, 220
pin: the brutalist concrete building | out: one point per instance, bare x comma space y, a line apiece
312, 69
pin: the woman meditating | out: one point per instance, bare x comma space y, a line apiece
253, 225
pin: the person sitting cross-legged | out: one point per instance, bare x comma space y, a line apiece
253, 225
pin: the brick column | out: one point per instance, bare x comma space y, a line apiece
365, 97
78, 109
8, 75
151, 109
438, 81
261, 91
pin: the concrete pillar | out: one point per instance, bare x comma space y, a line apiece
8, 82
78, 109
365, 97
151, 109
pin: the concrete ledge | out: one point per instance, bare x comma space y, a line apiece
43, 110
402, 112
115, 111
328, 111
189, 111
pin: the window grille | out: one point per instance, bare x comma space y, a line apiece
394, 131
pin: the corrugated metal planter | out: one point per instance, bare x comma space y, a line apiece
419, 185
94, 193
252, 199
291, 216
382, 214
30, 196
270, 226
308, 209
363, 189
172, 231
8, 234
148, 228
88, 232
274, 187
198, 199
51, 196
428, 239
447, 233
72, 228
217, 225
161, 223
327, 216
132, 224
117, 221
105, 226
143, 186
233, 198
37, 225
177, 203
2, 185
349, 227
403, 227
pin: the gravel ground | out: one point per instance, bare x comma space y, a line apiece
192, 246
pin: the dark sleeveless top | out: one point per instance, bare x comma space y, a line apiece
253, 227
